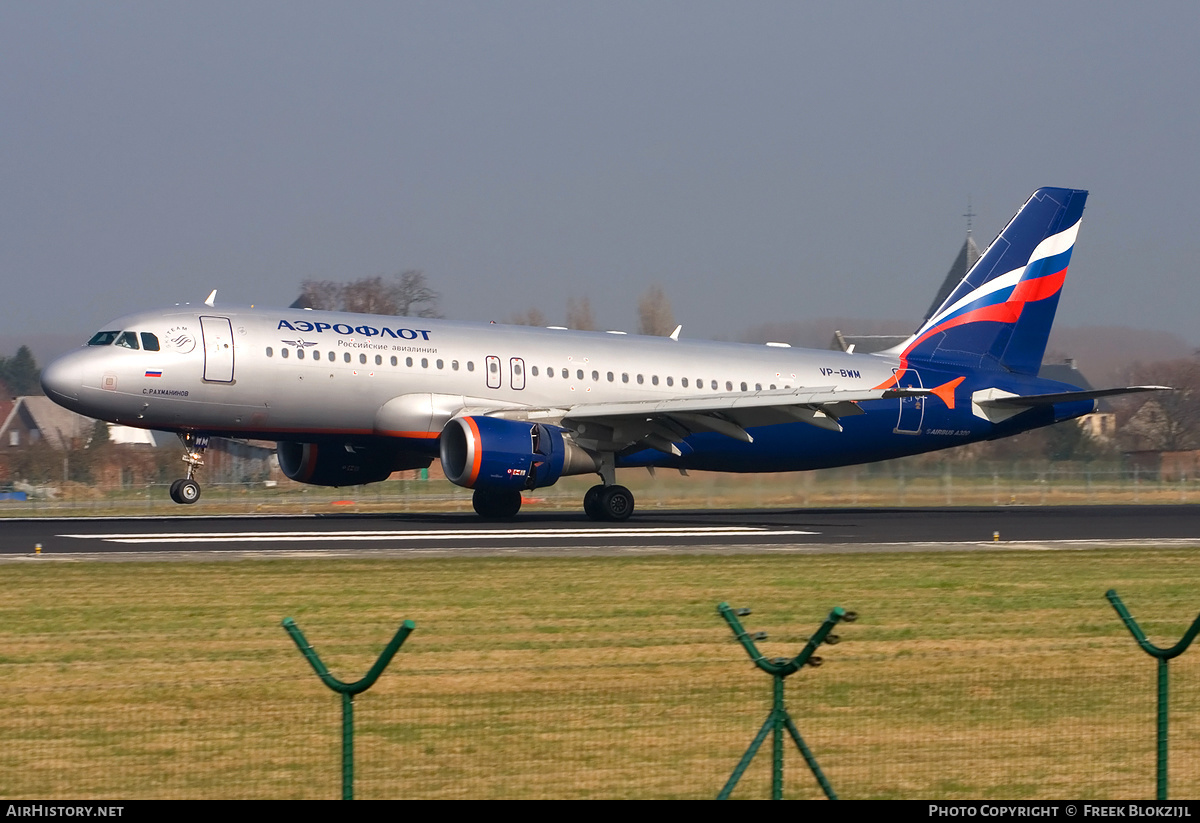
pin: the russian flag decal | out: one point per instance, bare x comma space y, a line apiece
156, 373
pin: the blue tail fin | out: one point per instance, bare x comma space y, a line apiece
999, 316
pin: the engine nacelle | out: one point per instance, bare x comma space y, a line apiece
343, 464
491, 452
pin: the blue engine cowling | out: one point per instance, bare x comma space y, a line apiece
494, 453
344, 464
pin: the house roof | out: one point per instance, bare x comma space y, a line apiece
57, 426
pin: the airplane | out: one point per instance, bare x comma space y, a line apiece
351, 398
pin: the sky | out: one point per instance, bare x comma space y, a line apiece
761, 161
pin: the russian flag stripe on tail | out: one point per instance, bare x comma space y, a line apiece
999, 316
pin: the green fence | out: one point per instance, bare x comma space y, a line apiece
1059, 727
909, 482
989, 675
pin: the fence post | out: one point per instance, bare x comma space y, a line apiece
778, 719
348, 690
1162, 656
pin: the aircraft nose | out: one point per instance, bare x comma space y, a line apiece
61, 379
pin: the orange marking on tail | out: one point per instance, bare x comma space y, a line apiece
946, 391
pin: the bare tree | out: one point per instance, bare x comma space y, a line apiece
579, 314
406, 294
529, 317
1164, 421
412, 296
654, 313
324, 295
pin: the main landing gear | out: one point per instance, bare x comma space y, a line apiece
608, 501
187, 490
604, 502
614, 503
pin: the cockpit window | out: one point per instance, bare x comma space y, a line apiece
128, 339
149, 341
103, 338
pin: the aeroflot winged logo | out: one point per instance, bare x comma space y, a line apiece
346, 328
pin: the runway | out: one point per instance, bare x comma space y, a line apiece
804, 531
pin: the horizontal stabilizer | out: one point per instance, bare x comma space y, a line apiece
996, 405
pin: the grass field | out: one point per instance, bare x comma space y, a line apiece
988, 675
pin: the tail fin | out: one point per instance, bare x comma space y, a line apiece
999, 316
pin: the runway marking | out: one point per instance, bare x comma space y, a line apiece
434, 534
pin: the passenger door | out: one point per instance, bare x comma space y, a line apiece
218, 349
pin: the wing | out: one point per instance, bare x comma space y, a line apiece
662, 424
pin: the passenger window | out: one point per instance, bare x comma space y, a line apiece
532, 370
728, 386
408, 362
283, 353
743, 387
654, 379
683, 382
424, 362
395, 362
379, 360
149, 341
362, 358
640, 380
624, 377
454, 367
270, 352
440, 364
596, 376
579, 374
299, 354
346, 357
470, 365
670, 381
103, 338
565, 374
128, 340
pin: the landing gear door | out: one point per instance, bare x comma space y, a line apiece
218, 349
912, 409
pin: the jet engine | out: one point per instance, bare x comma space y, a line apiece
494, 453
343, 464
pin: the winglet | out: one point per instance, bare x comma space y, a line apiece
946, 391
675, 334
212, 298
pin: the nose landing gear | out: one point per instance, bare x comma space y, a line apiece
186, 490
